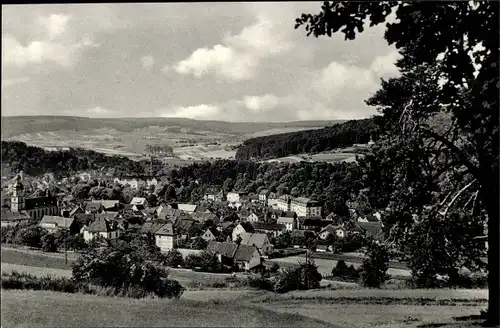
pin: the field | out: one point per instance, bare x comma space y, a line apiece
344, 306
325, 266
190, 139
331, 157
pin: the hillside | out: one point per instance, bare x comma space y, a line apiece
308, 141
134, 137
18, 125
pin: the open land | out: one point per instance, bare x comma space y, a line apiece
344, 307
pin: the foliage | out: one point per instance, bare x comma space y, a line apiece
49, 243
374, 268
343, 272
440, 120
173, 258
122, 267
18, 280
199, 243
309, 141
31, 236
306, 276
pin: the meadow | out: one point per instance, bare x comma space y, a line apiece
336, 306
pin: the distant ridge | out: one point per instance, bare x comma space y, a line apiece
18, 125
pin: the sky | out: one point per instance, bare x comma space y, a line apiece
218, 61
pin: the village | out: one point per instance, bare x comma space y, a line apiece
246, 229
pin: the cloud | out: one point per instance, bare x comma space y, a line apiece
55, 45
147, 62
238, 56
261, 103
202, 111
55, 24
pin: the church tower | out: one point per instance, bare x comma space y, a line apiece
17, 200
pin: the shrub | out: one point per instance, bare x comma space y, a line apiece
345, 273
49, 244
123, 267
192, 261
173, 258
31, 236
374, 268
26, 281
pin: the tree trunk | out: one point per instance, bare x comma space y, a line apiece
491, 202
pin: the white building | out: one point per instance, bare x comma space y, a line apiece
290, 223
305, 207
100, 227
235, 197
165, 238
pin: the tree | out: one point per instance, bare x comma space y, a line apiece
31, 236
374, 268
466, 93
170, 194
49, 243
80, 191
152, 200
174, 258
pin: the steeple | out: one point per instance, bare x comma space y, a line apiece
17, 200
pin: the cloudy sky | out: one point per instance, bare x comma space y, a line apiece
222, 61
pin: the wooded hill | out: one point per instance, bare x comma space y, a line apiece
309, 141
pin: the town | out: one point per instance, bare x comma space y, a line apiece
263, 221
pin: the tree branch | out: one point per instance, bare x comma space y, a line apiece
457, 151
455, 198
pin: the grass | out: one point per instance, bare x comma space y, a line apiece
36, 259
96, 311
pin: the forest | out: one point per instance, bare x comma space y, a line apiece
309, 141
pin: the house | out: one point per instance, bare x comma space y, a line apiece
330, 229
289, 223
236, 196
263, 194
375, 217
110, 205
166, 238
94, 207
230, 254
212, 195
100, 227
315, 224
268, 228
56, 223
305, 207
259, 240
210, 234
284, 202
83, 220
239, 229
150, 227
9, 218
188, 208
107, 216
253, 198
151, 182
76, 210
252, 217
140, 201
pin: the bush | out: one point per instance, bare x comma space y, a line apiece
174, 258
306, 276
31, 236
345, 273
124, 267
26, 281
374, 268
49, 244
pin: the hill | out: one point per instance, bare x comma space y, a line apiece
134, 137
309, 141
18, 125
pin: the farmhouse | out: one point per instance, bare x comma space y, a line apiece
210, 234
100, 227
241, 228
259, 240
166, 238
332, 230
289, 223
230, 254
268, 228
56, 223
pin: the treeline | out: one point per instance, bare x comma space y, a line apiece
332, 184
309, 141
36, 161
